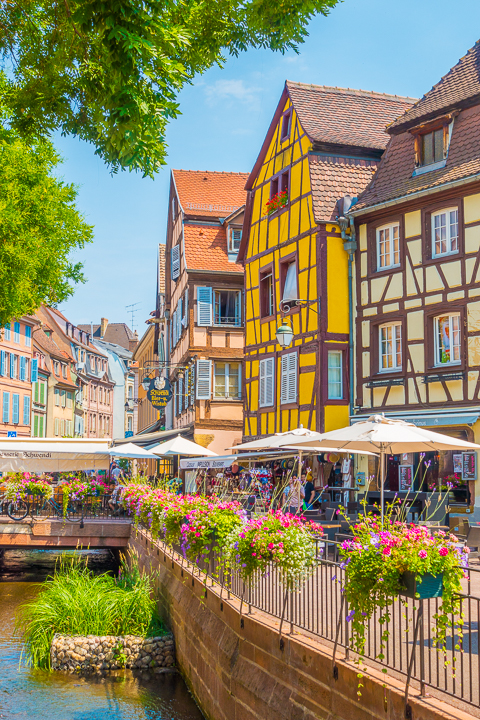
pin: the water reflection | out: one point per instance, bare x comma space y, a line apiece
40, 695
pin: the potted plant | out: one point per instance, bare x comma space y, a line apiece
276, 202
385, 561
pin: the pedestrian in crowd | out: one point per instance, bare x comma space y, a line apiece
117, 473
295, 495
309, 490
115, 503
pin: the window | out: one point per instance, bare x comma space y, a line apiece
63, 396
43, 387
7, 331
432, 147
388, 246
34, 374
227, 307
288, 383
227, 380
274, 187
69, 399
129, 423
175, 262
130, 392
445, 232
16, 332
267, 382
267, 298
6, 407
204, 306
287, 118
28, 335
235, 238
447, 339
26, 410
13, 366
35, 426
64, 370
390, 337
57, 426
56, 393
290, 289
23, 368
3, 363
335, 371
285, 182
56, 367
15, 408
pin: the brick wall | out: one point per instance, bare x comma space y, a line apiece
240, 673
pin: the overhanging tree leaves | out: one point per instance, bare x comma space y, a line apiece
109, 71
39, 227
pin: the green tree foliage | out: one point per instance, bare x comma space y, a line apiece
39, 227
109, 71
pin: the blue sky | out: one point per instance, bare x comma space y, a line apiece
400, 48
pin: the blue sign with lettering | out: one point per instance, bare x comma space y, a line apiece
11, 433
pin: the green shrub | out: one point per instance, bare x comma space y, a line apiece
74, 601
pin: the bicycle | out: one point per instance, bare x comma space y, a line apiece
19, 509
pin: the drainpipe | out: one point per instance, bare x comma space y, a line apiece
347, 223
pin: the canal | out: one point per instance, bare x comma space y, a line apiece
39, 695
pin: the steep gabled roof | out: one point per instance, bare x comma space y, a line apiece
206, 248
117, 333
343, 116
458, 89
210, 194
332, 178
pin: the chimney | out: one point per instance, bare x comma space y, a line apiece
103, 326
133, 342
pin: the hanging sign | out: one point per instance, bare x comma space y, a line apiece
159, 392
405, 477
469, 466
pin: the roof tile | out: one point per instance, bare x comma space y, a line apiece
206, 248
334, 177
210, 194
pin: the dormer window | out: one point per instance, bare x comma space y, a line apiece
234, 239
431, 145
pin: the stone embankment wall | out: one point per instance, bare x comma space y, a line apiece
238, 669
94, 653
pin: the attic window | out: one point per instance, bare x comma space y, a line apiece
431, 146
235, 238
286, 125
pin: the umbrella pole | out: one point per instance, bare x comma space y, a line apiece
382, 481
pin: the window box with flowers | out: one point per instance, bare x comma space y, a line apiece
276, 202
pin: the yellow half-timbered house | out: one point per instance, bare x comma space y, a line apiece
322, 147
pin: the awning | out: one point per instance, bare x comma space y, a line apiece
148, 439
53, 455
429, 419
223, 461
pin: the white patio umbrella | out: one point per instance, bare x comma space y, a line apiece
181, 446
388, 436
132, 451
289, 438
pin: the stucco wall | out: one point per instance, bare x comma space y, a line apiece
237, 671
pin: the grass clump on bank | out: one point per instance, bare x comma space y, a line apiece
74, 601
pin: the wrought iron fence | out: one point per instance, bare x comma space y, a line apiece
37, 508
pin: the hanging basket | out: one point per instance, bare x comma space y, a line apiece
426, 586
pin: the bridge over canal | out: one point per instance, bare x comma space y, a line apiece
105, 532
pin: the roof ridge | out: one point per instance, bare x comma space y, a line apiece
211, 172
352, 91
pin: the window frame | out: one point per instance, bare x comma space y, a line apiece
286, 128
214, 307
227, 395
388, 226
428, 212
372, 249
436, 347
284, 265
396, 368
265, 273
341, 353
231, 231
433, 215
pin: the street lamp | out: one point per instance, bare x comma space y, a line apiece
284, 335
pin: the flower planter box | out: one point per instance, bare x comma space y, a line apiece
430, 586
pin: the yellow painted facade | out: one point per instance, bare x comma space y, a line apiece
321, 323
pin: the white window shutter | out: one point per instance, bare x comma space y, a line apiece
175, 258
204, 306
204, 379
288, 390
261, 384
269, 375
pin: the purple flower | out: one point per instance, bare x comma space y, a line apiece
350, 615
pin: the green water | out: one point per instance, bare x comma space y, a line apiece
38, 695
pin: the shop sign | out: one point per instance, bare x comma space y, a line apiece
405, 477
159, 392
469, 466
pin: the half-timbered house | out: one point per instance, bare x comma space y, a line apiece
323, 144
418, 281
204, 304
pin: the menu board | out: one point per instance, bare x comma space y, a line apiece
405, 477
469, 466
457, 463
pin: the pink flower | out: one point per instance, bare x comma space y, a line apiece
386, 551
254, 554
443, 551
422, 554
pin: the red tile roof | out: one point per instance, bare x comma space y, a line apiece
206, 248
459, 88
394, 179
334, 177
343, 116
210, 194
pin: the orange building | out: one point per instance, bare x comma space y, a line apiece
16, 374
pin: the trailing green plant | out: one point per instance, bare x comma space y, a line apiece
375, 560
76, 602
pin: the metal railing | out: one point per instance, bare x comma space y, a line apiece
409, 652
92, 508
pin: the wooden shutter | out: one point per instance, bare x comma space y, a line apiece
35, 426
41, 427
15, 408
267, 369
3, 370
175, 257
34, 373
288, 390
6, 407
22, 367
204, 379
42, 392
12, 365
238, 308
204, 306
26, 410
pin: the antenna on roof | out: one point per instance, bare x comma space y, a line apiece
132, 310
